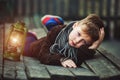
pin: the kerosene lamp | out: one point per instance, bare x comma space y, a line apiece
15, 41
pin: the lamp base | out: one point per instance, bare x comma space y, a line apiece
12, 56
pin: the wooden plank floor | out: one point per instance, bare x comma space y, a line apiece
31, 69
104, 66
98, 68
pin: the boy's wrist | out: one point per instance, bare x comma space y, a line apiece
63, 59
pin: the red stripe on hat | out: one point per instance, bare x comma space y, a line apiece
45, 20
56, 19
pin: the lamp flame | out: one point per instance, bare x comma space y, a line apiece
15, 40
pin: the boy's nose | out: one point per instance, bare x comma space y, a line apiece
78, 40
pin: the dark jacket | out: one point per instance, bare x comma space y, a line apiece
40, 49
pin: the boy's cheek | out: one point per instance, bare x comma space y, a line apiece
72, 37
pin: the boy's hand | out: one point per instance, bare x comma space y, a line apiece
96, 44
69, 63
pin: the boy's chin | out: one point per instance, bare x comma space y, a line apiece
75, 46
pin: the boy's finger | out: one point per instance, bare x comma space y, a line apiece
73, 64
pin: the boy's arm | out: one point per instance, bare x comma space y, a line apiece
96, 44
45, 56
84, 53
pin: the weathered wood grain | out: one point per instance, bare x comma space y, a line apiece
20, 71
35, 70
103, 67
60, 73
83, 74
9, 70
110, 57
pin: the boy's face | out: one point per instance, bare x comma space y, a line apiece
78, 37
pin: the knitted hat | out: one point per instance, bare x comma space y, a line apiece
50, 21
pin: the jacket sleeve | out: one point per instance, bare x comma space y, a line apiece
84, 53
45, 56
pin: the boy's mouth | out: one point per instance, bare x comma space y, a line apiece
72, 42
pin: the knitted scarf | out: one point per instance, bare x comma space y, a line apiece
61, 45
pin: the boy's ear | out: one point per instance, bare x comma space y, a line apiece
75, 25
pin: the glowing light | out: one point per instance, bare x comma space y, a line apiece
15, 40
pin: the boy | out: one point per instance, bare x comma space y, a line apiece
70, 45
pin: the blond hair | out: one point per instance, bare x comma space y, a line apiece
93, 24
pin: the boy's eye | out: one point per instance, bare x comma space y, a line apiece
79, 34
